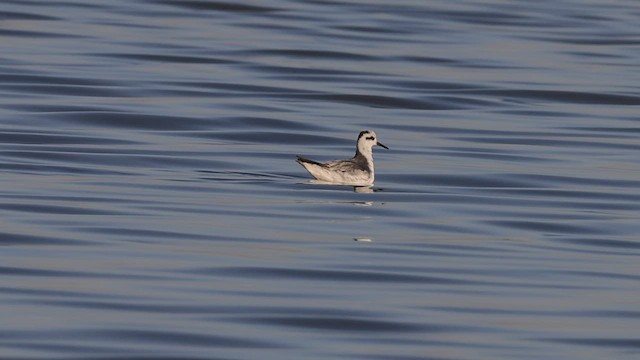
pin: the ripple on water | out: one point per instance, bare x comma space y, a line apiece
151, 206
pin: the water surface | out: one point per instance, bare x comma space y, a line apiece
151, 206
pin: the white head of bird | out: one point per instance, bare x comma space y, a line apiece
366, 140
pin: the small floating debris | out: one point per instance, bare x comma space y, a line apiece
362, 239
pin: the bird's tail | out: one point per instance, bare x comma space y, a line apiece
302, 160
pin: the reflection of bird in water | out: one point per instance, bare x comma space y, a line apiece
363, 189
355, 171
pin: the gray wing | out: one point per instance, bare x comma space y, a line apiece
345, 165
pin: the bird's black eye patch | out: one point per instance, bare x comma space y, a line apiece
371, 138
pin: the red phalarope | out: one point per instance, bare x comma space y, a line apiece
355, 171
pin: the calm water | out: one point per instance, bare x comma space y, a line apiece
151, 207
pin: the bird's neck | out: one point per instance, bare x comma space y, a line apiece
365, 153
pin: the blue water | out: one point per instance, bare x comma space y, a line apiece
151, 206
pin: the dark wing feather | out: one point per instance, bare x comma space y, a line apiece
347, 165
301, 160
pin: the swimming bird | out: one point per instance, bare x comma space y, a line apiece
355, 171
